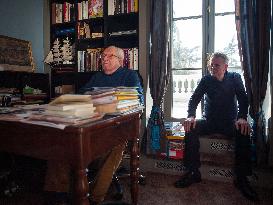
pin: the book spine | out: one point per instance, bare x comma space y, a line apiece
53, 13
126, 58
65, 12
79, 11
59, 13
125, 6
135, 6
135, 51
79, 60
129, 8
87, 65
131, 58
132, 6
72, 13
122, 6
90, 9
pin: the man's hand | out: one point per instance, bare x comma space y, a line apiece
243, 125
189, 123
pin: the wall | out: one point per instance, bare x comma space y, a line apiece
23, 19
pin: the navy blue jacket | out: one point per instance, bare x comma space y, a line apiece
220, 98
121, 77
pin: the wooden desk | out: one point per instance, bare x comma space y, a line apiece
77, 145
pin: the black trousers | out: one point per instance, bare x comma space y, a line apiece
242, 166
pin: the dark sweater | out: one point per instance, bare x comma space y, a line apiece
220, 98
121, 77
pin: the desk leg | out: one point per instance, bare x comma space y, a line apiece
80, 188
134, 168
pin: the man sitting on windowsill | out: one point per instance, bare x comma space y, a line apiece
222, 90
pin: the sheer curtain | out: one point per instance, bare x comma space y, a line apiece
253, 29
159, 69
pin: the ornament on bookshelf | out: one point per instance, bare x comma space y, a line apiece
66, 50
61, 53
57, 55
49, 58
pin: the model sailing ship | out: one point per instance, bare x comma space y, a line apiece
60, 54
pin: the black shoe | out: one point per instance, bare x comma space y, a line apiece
243, 185
188, 179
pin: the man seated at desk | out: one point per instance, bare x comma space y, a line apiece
113, 75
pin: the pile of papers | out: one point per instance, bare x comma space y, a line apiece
118, 100
71, 106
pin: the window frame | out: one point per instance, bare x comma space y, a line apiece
208, 31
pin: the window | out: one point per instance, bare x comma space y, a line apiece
199, 27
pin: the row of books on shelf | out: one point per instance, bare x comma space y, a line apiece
66, 12
131, 58
122, 6
90, 9
61, 13
84, 31
89, 60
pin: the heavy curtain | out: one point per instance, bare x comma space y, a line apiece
159, 69
253, 29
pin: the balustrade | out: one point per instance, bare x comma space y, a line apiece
185, 85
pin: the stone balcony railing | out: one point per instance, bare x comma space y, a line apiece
185, 85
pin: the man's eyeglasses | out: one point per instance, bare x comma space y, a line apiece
216, 66
110, 56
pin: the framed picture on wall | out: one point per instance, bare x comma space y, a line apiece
15, 55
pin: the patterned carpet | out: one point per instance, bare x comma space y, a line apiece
158, 190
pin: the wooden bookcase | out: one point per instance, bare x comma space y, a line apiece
90, 30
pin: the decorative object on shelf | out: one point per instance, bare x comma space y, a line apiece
57, 54
60, 54
67, 52
49, 58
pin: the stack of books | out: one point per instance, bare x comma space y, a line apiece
128, 98
175, 140
118, 100
71, 108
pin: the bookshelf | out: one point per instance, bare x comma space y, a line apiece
90, 26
